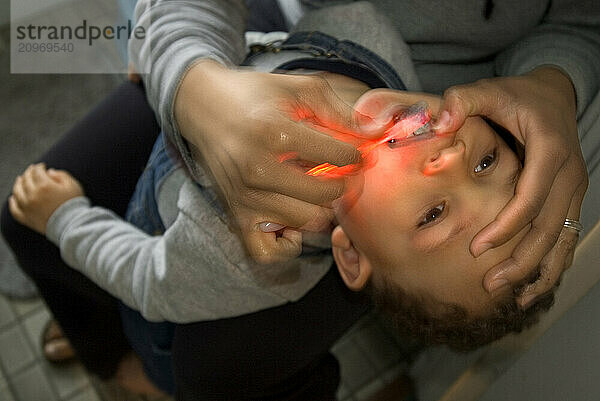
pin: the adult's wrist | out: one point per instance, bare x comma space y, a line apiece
194, 82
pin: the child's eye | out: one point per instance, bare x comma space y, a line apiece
486, 162
432, 214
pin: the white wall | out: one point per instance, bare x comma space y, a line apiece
563, 365
28, 8
4, 12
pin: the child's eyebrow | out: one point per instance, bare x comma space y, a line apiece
458, 227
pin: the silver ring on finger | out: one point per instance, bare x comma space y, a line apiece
572, 224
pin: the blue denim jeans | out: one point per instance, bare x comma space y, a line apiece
150, 341
308, 50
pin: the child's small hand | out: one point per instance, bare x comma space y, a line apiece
38, 192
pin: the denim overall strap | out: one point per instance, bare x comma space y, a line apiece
142, 211
319, 51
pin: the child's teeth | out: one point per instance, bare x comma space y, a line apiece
422, 129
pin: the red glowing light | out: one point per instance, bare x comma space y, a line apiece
404, 126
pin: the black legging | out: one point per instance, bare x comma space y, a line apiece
106, 152
275, 354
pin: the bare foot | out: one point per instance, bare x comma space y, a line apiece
131, 376
55, 346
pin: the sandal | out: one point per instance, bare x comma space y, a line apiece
402, 388
56, 348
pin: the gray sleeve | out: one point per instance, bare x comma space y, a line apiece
177, 34
117, 256
181, 276
568, 38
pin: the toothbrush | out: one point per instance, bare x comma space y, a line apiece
408, 125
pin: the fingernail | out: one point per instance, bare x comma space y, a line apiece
497, 284
269, 227
527, 301
443, 121
50, 348
481, 249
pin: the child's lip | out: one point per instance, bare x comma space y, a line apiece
437, 143
441, 141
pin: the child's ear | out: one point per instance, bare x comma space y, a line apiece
353, 266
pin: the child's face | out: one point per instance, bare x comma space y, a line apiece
413, 211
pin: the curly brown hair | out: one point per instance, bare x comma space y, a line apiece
451, 324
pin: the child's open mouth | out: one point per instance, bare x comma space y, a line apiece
408, 127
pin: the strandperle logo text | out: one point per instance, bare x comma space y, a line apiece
83, 31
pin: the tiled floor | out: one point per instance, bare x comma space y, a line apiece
24, 374
369, 356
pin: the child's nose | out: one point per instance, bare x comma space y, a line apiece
447, 160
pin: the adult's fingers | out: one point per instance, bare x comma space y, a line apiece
287, 215
535, 183
269, 175
287, 211
540, 239
551, 268
311, 145
569, 258
270, 227
462, 101
558, 259
332, 112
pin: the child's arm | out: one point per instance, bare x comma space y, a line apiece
38, 192
52, 203
181, 276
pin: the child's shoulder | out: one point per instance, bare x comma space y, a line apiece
200, 203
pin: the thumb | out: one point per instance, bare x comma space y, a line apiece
462, 101
57, 175
61, 176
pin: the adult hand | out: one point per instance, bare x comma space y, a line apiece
539, 110
244, 125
